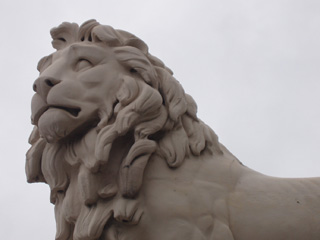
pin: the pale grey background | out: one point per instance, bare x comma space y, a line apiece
251, 65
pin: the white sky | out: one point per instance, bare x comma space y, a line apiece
252, 66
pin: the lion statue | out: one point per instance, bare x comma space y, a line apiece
120, 145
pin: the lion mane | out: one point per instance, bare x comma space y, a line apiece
90, 179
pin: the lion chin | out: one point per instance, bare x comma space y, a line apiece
56, 124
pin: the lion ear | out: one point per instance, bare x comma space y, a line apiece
133, 58
63, 35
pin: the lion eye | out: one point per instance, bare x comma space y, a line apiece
83, 64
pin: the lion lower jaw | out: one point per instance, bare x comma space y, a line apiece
56, 124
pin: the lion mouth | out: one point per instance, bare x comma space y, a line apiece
40, 107
73, 111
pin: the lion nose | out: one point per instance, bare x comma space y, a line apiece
43, 85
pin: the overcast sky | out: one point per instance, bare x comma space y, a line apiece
252, 66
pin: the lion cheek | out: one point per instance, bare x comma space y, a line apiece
54, 125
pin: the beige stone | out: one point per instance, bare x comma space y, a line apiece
125, 156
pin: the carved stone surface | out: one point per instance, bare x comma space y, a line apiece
125, 156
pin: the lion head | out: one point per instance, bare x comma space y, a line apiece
103, 106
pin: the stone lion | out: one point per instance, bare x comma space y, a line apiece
120, 145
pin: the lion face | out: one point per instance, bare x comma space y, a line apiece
73, 86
